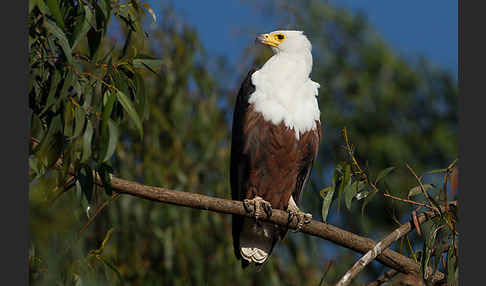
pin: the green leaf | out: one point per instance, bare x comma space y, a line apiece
363, 194
326, 194
88, 135
39, 4
111, 97
50, 147
68, 119
121, 82
128, 107
451, 267
423, 261
61, 37
105, 172
144, 62
418, 190
95, 34
384, 173
64, 92
84, 175
112, 267
150, 10
350, 192
51, 96
108, 9
114, 135
80, 122
142, 94
101, 14
344, 181
34, 166
431, 240
78, 281
128, 22
56, 13
324, 191
437, 255
36, 129
83, 26
149, 64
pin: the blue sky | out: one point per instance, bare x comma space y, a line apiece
412, 27
415, 27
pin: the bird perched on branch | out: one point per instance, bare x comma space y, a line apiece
275, 138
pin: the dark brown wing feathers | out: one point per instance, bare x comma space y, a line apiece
239, 161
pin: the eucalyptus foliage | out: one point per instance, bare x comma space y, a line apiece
81, 89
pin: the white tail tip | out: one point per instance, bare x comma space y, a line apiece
255, 241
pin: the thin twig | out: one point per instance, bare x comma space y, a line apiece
91, 219
446, 178
328, 267
379, 248
408, 201
350, 151
422, 188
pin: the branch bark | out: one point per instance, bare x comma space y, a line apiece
334, 234
384, 244
390, 274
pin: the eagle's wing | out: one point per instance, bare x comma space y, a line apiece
239, 162
309, 145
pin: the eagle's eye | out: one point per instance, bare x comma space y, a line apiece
280, 37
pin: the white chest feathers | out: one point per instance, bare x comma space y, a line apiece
285, 93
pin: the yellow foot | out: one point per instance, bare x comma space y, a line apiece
301, 217
258, 207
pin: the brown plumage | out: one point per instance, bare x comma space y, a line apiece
268, 161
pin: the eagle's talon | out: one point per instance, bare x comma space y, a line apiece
260, 207
268, 209
307, 218
290, 217
301, 217
246, 205
255, 210
300, 222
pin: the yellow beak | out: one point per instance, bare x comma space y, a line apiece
268, 40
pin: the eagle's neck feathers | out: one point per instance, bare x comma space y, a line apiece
285, 93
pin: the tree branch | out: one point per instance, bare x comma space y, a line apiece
384, 244
334, 234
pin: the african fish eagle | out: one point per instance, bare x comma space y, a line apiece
275, 137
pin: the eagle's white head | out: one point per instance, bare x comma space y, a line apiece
283, 90
286, 41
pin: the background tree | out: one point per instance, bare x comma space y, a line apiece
155, 108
